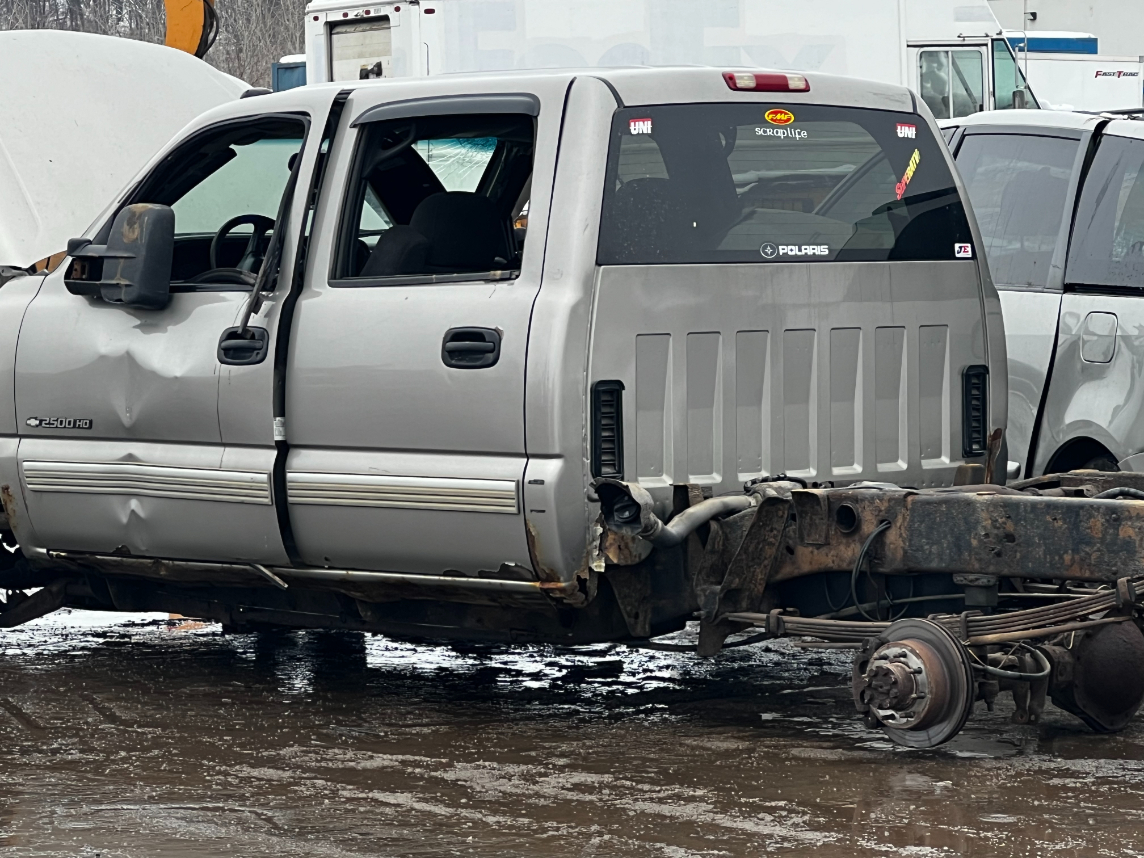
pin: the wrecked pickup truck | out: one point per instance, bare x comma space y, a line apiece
566, 357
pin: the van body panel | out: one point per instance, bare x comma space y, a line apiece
1030, 338
1095, 391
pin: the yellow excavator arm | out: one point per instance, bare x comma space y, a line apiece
192, 25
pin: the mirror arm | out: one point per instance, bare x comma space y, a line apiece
274, 253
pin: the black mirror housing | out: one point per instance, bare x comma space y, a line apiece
134, 267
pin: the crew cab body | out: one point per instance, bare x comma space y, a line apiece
475, 296
1059, 200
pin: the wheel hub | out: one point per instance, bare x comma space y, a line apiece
900, 683
914, 680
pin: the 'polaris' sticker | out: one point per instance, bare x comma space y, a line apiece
640, 126
772, 251
963, 251
59, 422
900, 188
908, 131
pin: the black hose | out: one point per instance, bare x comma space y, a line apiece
1120, 492
881, 528
1046, 667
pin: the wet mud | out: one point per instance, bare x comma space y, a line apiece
141, 736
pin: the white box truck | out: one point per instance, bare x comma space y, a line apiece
1070, 73
950, 51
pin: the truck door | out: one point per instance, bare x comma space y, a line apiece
405, 389
122, 448
1021, 183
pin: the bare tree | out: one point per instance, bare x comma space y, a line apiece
255, 33
252, 33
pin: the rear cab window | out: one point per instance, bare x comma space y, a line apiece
1018, 186
766, 183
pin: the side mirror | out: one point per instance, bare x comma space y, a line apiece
134, 267
1019, 101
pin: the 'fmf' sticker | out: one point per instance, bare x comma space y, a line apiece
779, 116
640, 126
909, 131
900, 188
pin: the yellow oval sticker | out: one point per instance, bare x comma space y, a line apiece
779, 116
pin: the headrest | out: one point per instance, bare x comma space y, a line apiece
464, 232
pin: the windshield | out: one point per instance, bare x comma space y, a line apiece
766, 183
1010, 90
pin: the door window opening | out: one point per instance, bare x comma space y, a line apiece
1010, 89
951, 82
226, 188
438, 196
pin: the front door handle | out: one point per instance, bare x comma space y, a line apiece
243, 349
471, 348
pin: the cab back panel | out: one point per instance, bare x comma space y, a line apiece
839, 372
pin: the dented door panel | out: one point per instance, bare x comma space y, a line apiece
1095, 391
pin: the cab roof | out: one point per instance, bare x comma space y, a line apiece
659, 85
1062, 119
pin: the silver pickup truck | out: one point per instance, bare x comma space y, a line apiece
551, 356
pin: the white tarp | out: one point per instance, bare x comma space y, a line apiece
80, 115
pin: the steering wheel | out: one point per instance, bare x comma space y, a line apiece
251, 257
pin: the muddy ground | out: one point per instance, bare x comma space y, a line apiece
143, 737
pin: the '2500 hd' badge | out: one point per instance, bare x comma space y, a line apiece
779, 116
59, 422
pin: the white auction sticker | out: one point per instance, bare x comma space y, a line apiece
640, 126
963, 251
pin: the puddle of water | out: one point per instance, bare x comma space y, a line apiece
150, 735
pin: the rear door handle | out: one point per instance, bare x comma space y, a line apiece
471, 348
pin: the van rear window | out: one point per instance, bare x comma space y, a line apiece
1108, 234
704, 183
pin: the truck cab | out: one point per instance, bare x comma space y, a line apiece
364, 355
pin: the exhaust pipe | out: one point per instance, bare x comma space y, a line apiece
629, 509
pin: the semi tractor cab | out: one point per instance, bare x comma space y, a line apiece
952, 52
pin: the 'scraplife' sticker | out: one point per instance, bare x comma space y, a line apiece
773, 251
640, 126
900, 188
963, 251
907, 131
779, 116
782, 133
59, 422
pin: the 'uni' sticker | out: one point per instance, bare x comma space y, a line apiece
640, 126
908, 131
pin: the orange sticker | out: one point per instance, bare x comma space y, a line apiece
779, 116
